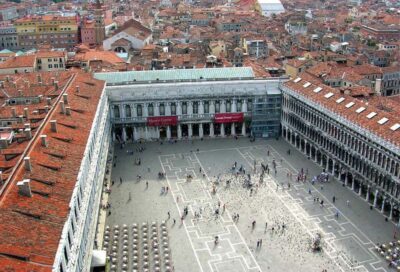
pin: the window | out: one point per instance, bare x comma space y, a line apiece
217, 106
150, 110
139, 110
206, 107
162, 109
173, 109
195, 107
184, 108
49, 60
128, 111
50, 66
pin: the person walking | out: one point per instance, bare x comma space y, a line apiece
333, 199
348, 203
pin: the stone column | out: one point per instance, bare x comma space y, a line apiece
145, 110
223, 130
179, 131
168, 109
190, 131
201, 107
233, 108
333, 168
113, 136
367, 196
158, 132
201, 130
190, 108
233, 129
168, 132
360, 190
346, 179
134, 110
391, 211
376, 197
135, 134
156, 109
124, 134
244, 105
243, 129
211, 129
383, 204
352, 184
212, 107
178, 108
223, 106
146, 132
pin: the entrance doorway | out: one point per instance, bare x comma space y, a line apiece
185, 130
163, 132
174, 131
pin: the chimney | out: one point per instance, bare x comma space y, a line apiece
28, 164
68, 110
39, 79
14, 112
26, 113
46, 109
40, 97
20, 93
55, 85
1, 177
20, 119
48, 99
27, 84
27, 125
24, 187
43, 140
62, 106
65, 96
28, 133
53, 80
7, 78
53, 124
77, 88
378, 86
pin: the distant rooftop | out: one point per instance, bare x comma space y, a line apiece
179, 75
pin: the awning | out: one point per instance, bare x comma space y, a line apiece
222, 118
162, 121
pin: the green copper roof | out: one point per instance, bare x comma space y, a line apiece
176, 75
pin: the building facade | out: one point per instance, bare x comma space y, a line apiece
57, 31
366, 161
8, 37
194, 108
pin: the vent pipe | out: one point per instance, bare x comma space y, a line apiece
24, 187
77, 88
65, 96
26, 113
48, 99
62, 106
28, 133
53, 125
68, 110
55, 85
14, 112
28, 164
39, 78
43, 140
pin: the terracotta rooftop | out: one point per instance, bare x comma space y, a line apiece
31, 226
383, 124
19, 62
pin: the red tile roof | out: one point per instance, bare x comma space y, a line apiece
31, 226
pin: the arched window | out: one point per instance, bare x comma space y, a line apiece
139, 110
162, 109
150, 110
116, 111
128, 113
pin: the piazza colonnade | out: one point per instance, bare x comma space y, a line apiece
178, 119
368, 167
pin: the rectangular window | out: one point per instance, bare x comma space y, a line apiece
50, 66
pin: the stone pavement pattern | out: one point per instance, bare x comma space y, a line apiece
347, 245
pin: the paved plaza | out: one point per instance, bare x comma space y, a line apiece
288, 208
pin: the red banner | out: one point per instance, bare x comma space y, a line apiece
222, 118
159, 121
